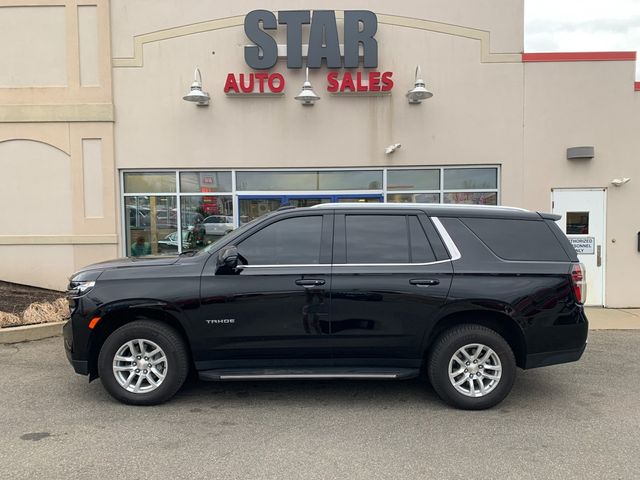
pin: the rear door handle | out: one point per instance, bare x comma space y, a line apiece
423, 282
315, 282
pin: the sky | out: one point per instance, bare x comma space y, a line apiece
582, 26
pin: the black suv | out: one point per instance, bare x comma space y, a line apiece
462, 293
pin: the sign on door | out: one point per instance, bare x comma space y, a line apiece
583, 245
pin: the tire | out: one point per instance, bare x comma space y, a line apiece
500, 367
160, 379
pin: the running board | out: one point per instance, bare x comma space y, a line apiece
320, 373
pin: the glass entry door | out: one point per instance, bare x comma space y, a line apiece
252, 207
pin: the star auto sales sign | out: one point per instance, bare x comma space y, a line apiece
360, 27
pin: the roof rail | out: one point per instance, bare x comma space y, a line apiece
419, 205
285, 207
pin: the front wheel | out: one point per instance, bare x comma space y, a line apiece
471, 367
143, 363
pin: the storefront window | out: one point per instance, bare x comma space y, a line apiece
196, 182
470, 178
207, 198
277, 181
252, 208
310, 180
351, 180
374, 199
151, 227
150, 182
413, 179
307, 202
476, 198
205, 219
413, 198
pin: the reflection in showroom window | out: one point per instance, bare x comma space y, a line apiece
151, 225
205, 219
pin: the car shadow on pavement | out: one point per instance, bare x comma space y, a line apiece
538, 385
532, 387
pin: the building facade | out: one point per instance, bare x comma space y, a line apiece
100, 156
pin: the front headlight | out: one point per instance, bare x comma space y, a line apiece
80, 288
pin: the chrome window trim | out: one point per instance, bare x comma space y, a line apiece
347, 265
289, 265
446, 238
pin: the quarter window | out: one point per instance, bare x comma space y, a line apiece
517, 239
292, 241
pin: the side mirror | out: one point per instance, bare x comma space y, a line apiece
227, 260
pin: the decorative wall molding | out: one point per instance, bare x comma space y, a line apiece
483, 36
25, 138
89, 112
107, 239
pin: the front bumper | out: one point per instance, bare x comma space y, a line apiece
80, 366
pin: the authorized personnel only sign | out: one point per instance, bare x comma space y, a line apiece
583, 245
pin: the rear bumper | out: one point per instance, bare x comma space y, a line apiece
553, 358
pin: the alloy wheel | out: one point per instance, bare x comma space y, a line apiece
475, 370
140, 366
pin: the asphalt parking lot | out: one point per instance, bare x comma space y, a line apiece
578, 420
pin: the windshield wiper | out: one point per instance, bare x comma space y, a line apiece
190, 252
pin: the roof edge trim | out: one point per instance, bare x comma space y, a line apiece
578, 56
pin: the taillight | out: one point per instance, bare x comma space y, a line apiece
579, 282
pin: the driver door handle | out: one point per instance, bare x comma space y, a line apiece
423, 282
315, 282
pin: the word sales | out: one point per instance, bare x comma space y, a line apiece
262, 82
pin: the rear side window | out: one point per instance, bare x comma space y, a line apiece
386, 239
517, 239
287, 242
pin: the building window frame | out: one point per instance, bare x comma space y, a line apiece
236, 194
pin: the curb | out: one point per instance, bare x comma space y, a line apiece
27, 333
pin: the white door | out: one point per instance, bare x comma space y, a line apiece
583, 221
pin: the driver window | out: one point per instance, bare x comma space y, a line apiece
292, 241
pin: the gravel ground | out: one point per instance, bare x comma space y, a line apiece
579, 420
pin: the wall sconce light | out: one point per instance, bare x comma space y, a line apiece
307, 96
392, 148
618, 182
419, 91
196, 94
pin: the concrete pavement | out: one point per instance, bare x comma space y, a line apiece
613, 318
578, 420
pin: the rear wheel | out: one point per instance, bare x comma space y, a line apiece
143, 363
471, 367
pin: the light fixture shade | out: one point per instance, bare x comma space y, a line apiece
419, 91
307, 96
196, 94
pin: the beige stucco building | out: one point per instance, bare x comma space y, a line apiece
100, 156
